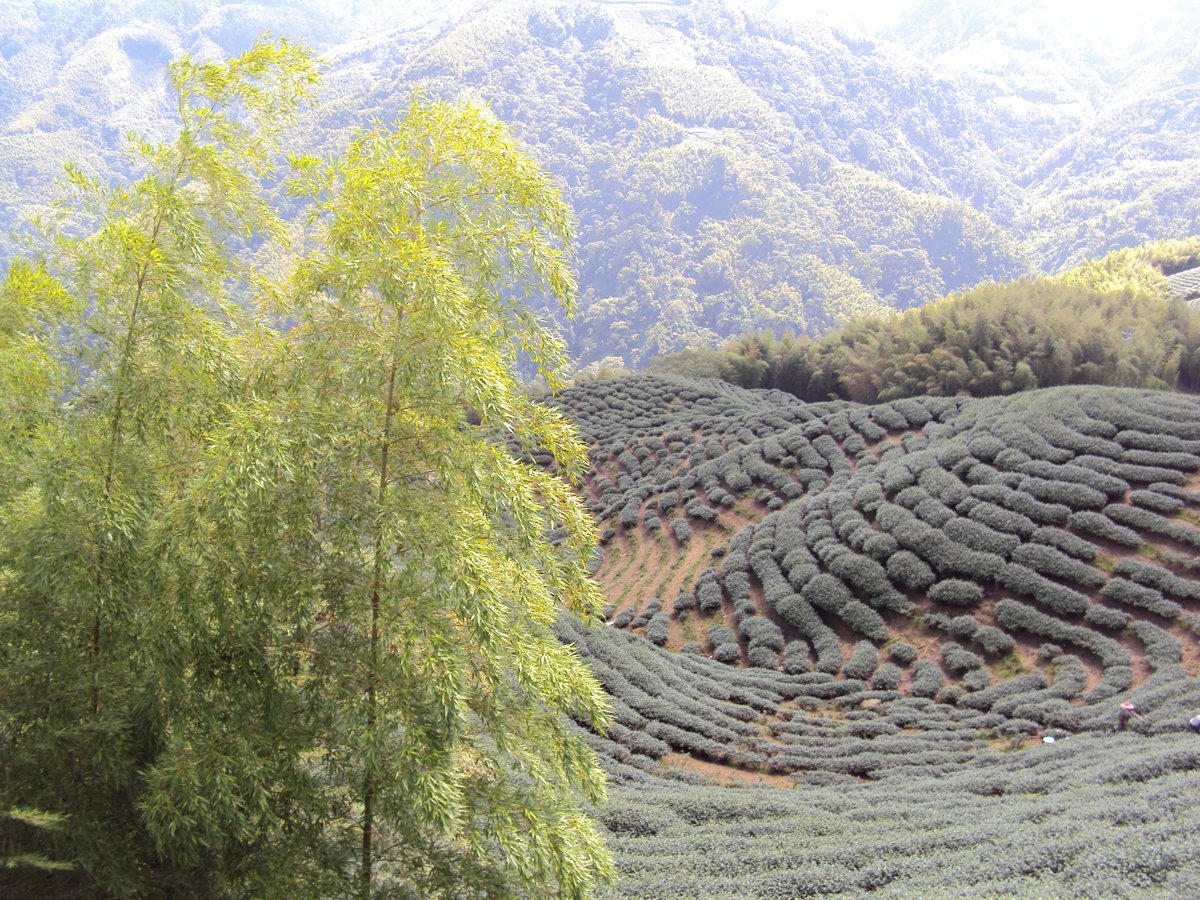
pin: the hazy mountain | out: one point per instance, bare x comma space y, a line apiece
732, 167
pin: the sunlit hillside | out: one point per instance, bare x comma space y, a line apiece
733, 167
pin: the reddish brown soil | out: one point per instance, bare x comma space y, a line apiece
725, 775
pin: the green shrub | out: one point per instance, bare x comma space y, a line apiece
908, 570
994, 641
1106, 617
863, 660
762, 657
887, 677
658, 629
957, 660
956, 592
727, 653
1146, 598
795, 658
1101, 526
902, 652
927, 678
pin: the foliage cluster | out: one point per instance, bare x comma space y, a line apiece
1103, 323
275, 611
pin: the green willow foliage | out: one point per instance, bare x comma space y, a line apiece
275, 615
1104, 323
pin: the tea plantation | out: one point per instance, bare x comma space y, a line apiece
841, 635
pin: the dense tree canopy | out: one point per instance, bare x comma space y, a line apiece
1107, 322
275, 615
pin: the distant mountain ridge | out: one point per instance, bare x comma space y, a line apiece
732, 168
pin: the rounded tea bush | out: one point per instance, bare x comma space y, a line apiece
727, 653
762, 657
902, 652
956, 592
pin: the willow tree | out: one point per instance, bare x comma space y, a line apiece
120, 350
444, 699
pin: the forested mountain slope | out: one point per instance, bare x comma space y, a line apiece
732, 168
1120, 321
890, 606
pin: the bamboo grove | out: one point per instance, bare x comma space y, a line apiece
275, 613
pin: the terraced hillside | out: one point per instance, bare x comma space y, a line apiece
889, 608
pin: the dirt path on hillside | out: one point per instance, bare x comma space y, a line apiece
723, 774
684, 560
621, 575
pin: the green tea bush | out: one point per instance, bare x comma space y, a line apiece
708, 592
1152, 522
1001, 519
982, 474
729, 653
720, 634
737, 584
887, 677
1053, 563
759, 631
658, 629
1106, 617
796, 658
887, 417
977, 536
684, 602
1162, 648
1184, 462
942, 485
1162, 443
863, 660
1156, 577
1066, 493
927, 678
984, 446
870, 580
799, 613
956, 592
1013, 615
681, 530
909, 571
1148, 474
957, 660
994, 641
762, 657
963, 627
1104, 527
902, 652
1147, 598
1023, 503
934, 512
976, 680
896, 478
1089, 477
1023, 580
651, 609
623, 618
1065, 541
1156, 501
